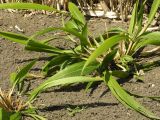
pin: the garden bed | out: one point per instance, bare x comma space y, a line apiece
98, 103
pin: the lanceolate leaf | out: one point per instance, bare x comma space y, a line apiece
133, 18
125, 98
76, 14
153, 10
107, 60
152, 38
70, 71
33, 45
26, 6
56, 61
44, 31
14, 37
71, 25
108, 43
62, 81
84, 40
65, 29
23, 72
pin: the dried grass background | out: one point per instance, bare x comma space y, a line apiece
122, 7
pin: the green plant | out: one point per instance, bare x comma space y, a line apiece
109, 56
13, 104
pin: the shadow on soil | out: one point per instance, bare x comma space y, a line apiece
65, 106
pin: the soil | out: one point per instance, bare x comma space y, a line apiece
99, 103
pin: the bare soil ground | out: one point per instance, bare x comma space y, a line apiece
99, 103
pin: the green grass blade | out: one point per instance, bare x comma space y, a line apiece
154, 8
107, 60
33, 45
125, 98
56, 61
50, 29
75, 70
26, 6
71, 24
152, 38
43, 31
133, 18
62, 81
14, 37
76, 14
23, 72
71, 80
143, 96
84, 40
109, 43
140, 17
70, 71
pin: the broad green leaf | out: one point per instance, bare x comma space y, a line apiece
152, 38
73, 32
26, 6
70, 71
109, 43
133, 18
125, 98
76, 14
62, 81
70, 80
71, 25
14, 37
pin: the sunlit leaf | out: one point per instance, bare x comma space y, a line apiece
70, 71
133, 18
125, 98
26, 6
152, 38
109, 43
14, 37
76, 14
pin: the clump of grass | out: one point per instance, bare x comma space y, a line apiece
10, 102
110, 56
